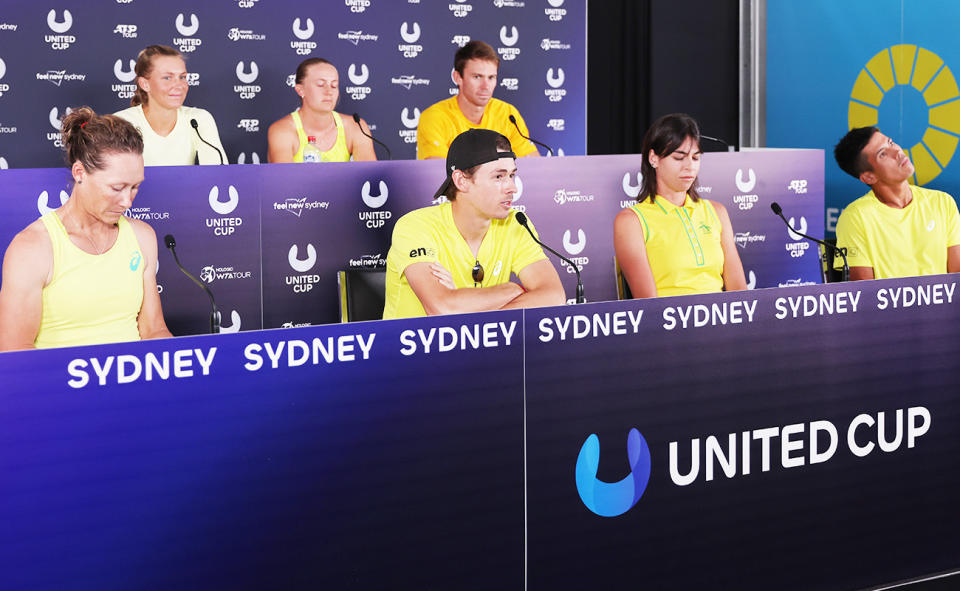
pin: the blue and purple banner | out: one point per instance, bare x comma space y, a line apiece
777, 438
269, 240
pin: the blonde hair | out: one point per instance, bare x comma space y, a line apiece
145, 65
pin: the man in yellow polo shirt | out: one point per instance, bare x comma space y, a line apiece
475, 74
897, 229
458, 256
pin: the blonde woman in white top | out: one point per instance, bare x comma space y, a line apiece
157, 110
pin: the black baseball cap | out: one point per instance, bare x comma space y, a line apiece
472, 148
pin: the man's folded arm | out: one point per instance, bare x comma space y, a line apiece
438, 299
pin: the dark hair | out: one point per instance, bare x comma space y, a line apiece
474, 50
849, 150
305, 64
503, 145
88, 136
664, 137
145, 65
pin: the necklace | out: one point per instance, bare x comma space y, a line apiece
89, 239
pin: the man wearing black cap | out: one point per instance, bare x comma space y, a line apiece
458, 256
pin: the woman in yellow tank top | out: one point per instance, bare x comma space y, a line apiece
672, 242
84, 274
315, 132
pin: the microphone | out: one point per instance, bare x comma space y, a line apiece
514, 121
196, 126
718, 140
845, 276
171, 243
522, 218
356, 117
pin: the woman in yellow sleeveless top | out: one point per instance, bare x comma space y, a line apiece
84, 274
335, 138
672, 242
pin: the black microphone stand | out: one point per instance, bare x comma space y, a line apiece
845, 274
171, 244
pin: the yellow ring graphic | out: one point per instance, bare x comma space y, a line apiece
909, 65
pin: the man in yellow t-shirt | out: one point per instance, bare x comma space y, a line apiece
897, 229
458, 256
475, 68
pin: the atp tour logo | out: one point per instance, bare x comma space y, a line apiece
358, 76
186, 43
410, 35
509, 38
461, 9
555, 93
247, 90
43, 202
610, 499
126, 88
510, 83
798, 186
58, 41
249, 125
555, 13
126, 31
3, 70
374, 219
56, 122
746, 200
409, 135
303, 46
573, 249
357, 6
557, 124
302, 283
460, 40
224, 226
254, 158
799, 246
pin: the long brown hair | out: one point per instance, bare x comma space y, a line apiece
88, 136
145, 65
664, 137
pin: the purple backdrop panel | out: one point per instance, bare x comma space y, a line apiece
394, 60
320, 220
214, 214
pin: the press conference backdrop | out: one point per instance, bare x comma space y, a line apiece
394, 57
832, 66
268, 240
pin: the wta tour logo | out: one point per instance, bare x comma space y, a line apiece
610, 499
910, 94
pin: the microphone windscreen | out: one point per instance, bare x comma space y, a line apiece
194, 124
522, 219
169, 241
513, 119
776, 208
356, 117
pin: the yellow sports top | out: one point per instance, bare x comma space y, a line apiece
429, 235
92, 299
338, 153
900, 242
444, 121
683, 245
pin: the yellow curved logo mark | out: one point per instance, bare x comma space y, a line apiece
925, 71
